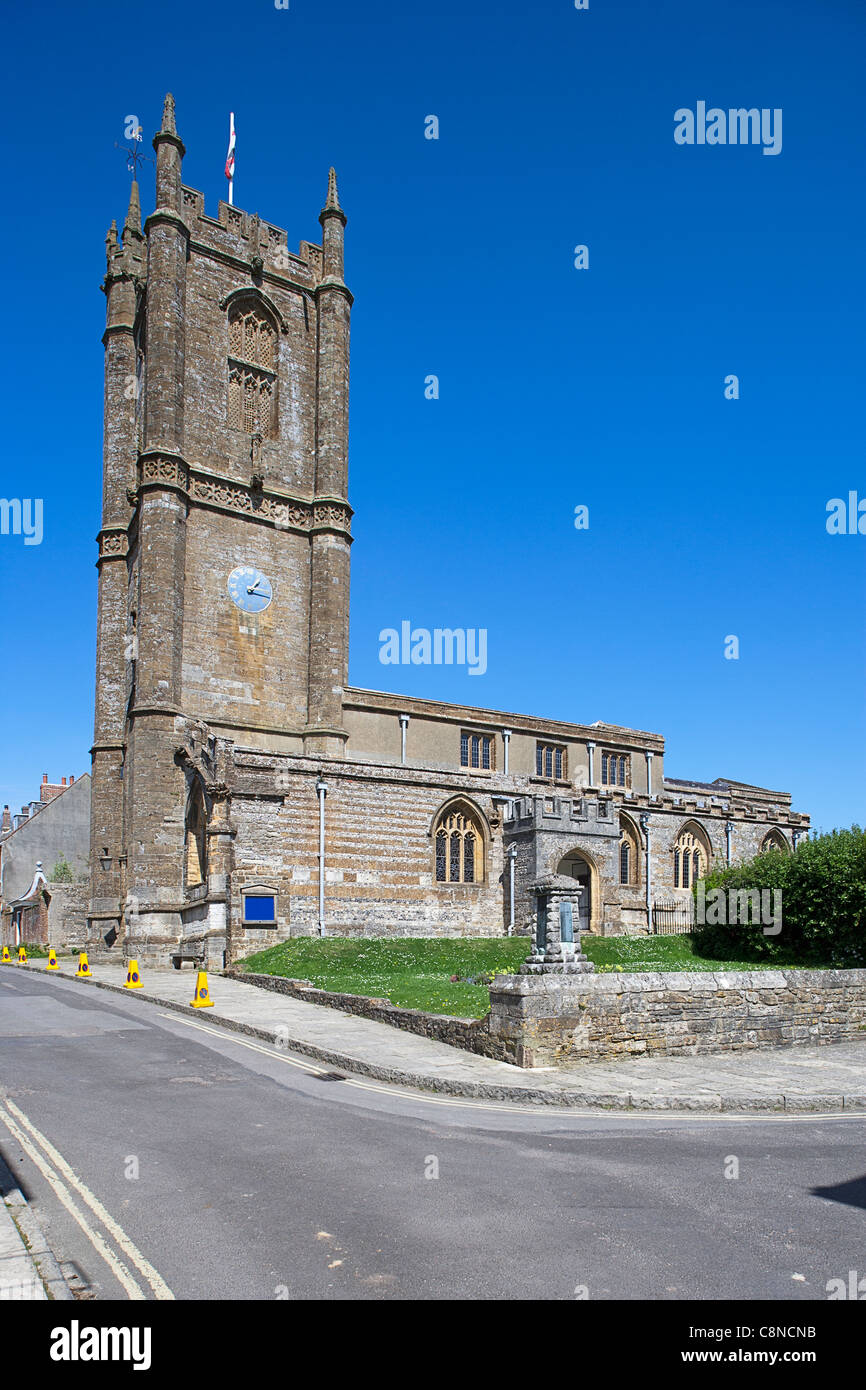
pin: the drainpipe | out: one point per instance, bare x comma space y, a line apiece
404, 724
728, 831
506, 739
590, 748
645, 827
322, 792
512, 856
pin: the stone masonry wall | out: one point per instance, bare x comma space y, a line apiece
378, 852
557, 1021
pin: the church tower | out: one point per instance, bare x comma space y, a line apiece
223, 604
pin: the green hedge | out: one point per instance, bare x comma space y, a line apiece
823, 888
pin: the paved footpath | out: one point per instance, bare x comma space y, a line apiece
28, 1269
818, 1079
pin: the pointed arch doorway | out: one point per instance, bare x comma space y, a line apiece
578, 866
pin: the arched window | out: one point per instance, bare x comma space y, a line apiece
629, 854
196, 839
459, 847
251, 367
691, 856
774, 839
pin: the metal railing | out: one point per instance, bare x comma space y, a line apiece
670, 919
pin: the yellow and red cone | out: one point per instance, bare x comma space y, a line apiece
202, 994
133, 976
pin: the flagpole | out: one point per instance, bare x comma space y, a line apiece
230, 161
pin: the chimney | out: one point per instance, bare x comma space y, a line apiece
7, 819
63, 781
45, 776
71, 779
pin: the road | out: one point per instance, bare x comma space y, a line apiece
167, 1158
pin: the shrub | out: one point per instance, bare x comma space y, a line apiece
823, 887
62, 871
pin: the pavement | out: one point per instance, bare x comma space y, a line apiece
822, 1080
28, 1270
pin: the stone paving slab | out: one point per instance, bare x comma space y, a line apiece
19, 1278
29, 1271
797, 1079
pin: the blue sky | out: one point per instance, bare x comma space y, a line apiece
558, 387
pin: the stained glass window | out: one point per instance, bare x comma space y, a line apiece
441, 858
469, 857
459, 849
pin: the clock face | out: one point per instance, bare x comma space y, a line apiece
249, 589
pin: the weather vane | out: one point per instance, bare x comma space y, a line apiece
134, 156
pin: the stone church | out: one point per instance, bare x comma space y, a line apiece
242, 790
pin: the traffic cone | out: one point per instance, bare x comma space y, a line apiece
22, 955
83, 971
202, 996
52, 959
6, 959
133, 976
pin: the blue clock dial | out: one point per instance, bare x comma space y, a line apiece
249, 589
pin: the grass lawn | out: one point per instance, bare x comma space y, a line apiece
416, 973
668, 953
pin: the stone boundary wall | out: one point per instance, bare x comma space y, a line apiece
549, 1020
558, 1020
469, 1033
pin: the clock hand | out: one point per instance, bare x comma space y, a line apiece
251, 589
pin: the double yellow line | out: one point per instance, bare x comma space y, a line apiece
64, 1183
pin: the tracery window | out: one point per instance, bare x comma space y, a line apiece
690, 859
774, 839
459, 848
252, 358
